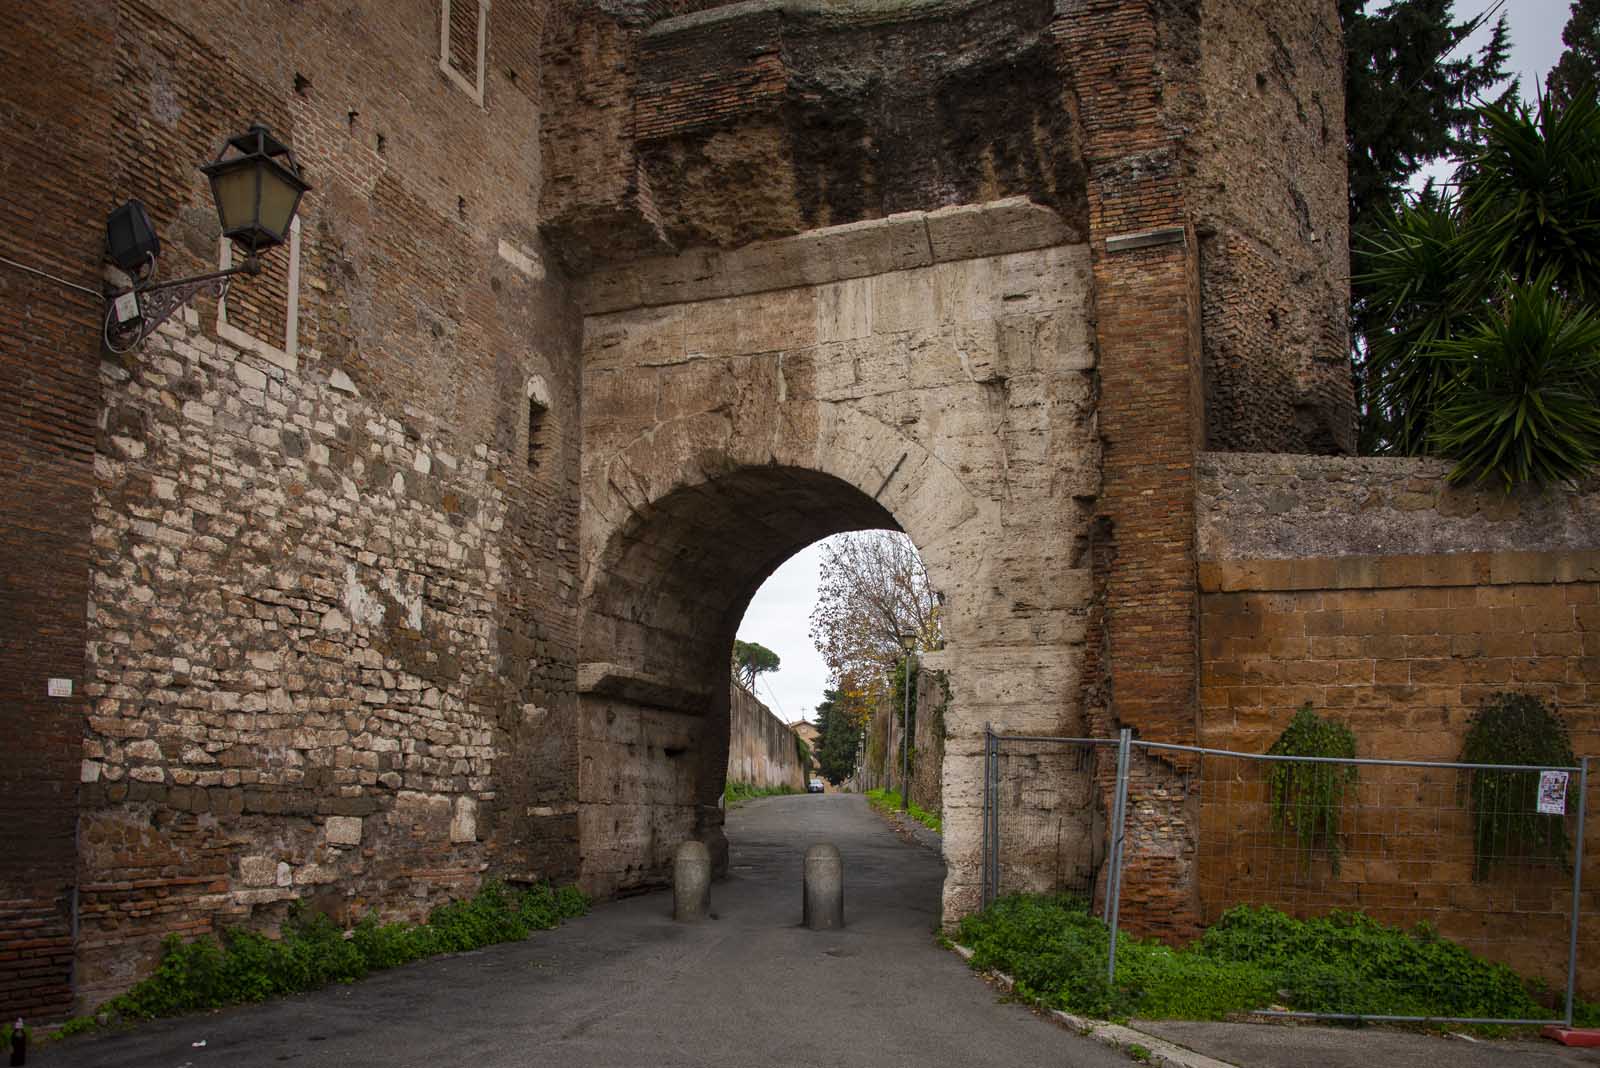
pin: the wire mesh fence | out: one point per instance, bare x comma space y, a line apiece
1045, 830
1481, 854
1487, 856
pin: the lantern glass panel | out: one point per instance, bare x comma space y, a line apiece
235, 191
278, 199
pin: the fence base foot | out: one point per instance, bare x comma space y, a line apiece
1572, 1036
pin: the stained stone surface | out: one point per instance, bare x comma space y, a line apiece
949, 399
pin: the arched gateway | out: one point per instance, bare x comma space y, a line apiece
415, 562
930, 373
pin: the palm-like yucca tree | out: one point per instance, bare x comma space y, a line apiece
1414, 268
1531, 195
1524, 397
1484, 350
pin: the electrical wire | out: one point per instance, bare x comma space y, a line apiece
772, 694
95, 293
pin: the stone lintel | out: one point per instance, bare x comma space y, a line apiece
832, 254
1170, 235
613, 680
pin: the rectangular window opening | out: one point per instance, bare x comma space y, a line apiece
463, 43
536, 414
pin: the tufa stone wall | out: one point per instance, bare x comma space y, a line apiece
1385, 598
761, 747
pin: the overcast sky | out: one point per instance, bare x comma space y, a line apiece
779, 616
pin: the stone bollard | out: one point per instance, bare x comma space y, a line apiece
691, 882
824, 888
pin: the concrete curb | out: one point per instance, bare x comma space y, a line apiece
1160, 1052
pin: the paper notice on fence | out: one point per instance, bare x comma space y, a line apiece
1553, 793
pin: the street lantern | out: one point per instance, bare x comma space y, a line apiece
257, 186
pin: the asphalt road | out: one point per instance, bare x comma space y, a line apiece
626, 986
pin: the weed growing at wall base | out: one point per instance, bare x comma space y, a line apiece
888, 801
314, 951
1252, 959
737, 793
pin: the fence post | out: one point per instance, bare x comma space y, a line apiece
994, 815
1119, 820
1577, 886
988, 800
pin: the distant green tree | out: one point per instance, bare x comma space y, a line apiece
1579, 65
1410, 101
838, 738
751, 659
1407, 102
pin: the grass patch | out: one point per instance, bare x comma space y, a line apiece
737, 793
888, 801
1251, 959
314, 951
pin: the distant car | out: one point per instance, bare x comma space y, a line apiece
814, 786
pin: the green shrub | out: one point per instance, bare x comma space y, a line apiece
888, 801
1252, 958
737, 793
314, 951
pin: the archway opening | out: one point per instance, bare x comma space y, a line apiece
662, 606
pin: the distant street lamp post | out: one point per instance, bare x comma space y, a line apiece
910, 643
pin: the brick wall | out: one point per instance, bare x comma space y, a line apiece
1396, 604
55, 191
1266, 189
1141, 670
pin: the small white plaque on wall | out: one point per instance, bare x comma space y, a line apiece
59, 687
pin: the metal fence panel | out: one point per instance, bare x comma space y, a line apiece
1489, 856
1465, 849
1044, 825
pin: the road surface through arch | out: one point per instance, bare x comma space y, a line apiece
625, 986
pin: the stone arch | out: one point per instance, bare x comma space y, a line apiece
931, 373
666, 582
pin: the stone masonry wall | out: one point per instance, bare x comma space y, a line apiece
1018, 385
1384, 598
761, 747
295, 655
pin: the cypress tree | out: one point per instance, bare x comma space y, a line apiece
1579, 65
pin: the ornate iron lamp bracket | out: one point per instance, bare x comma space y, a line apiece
159, 301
